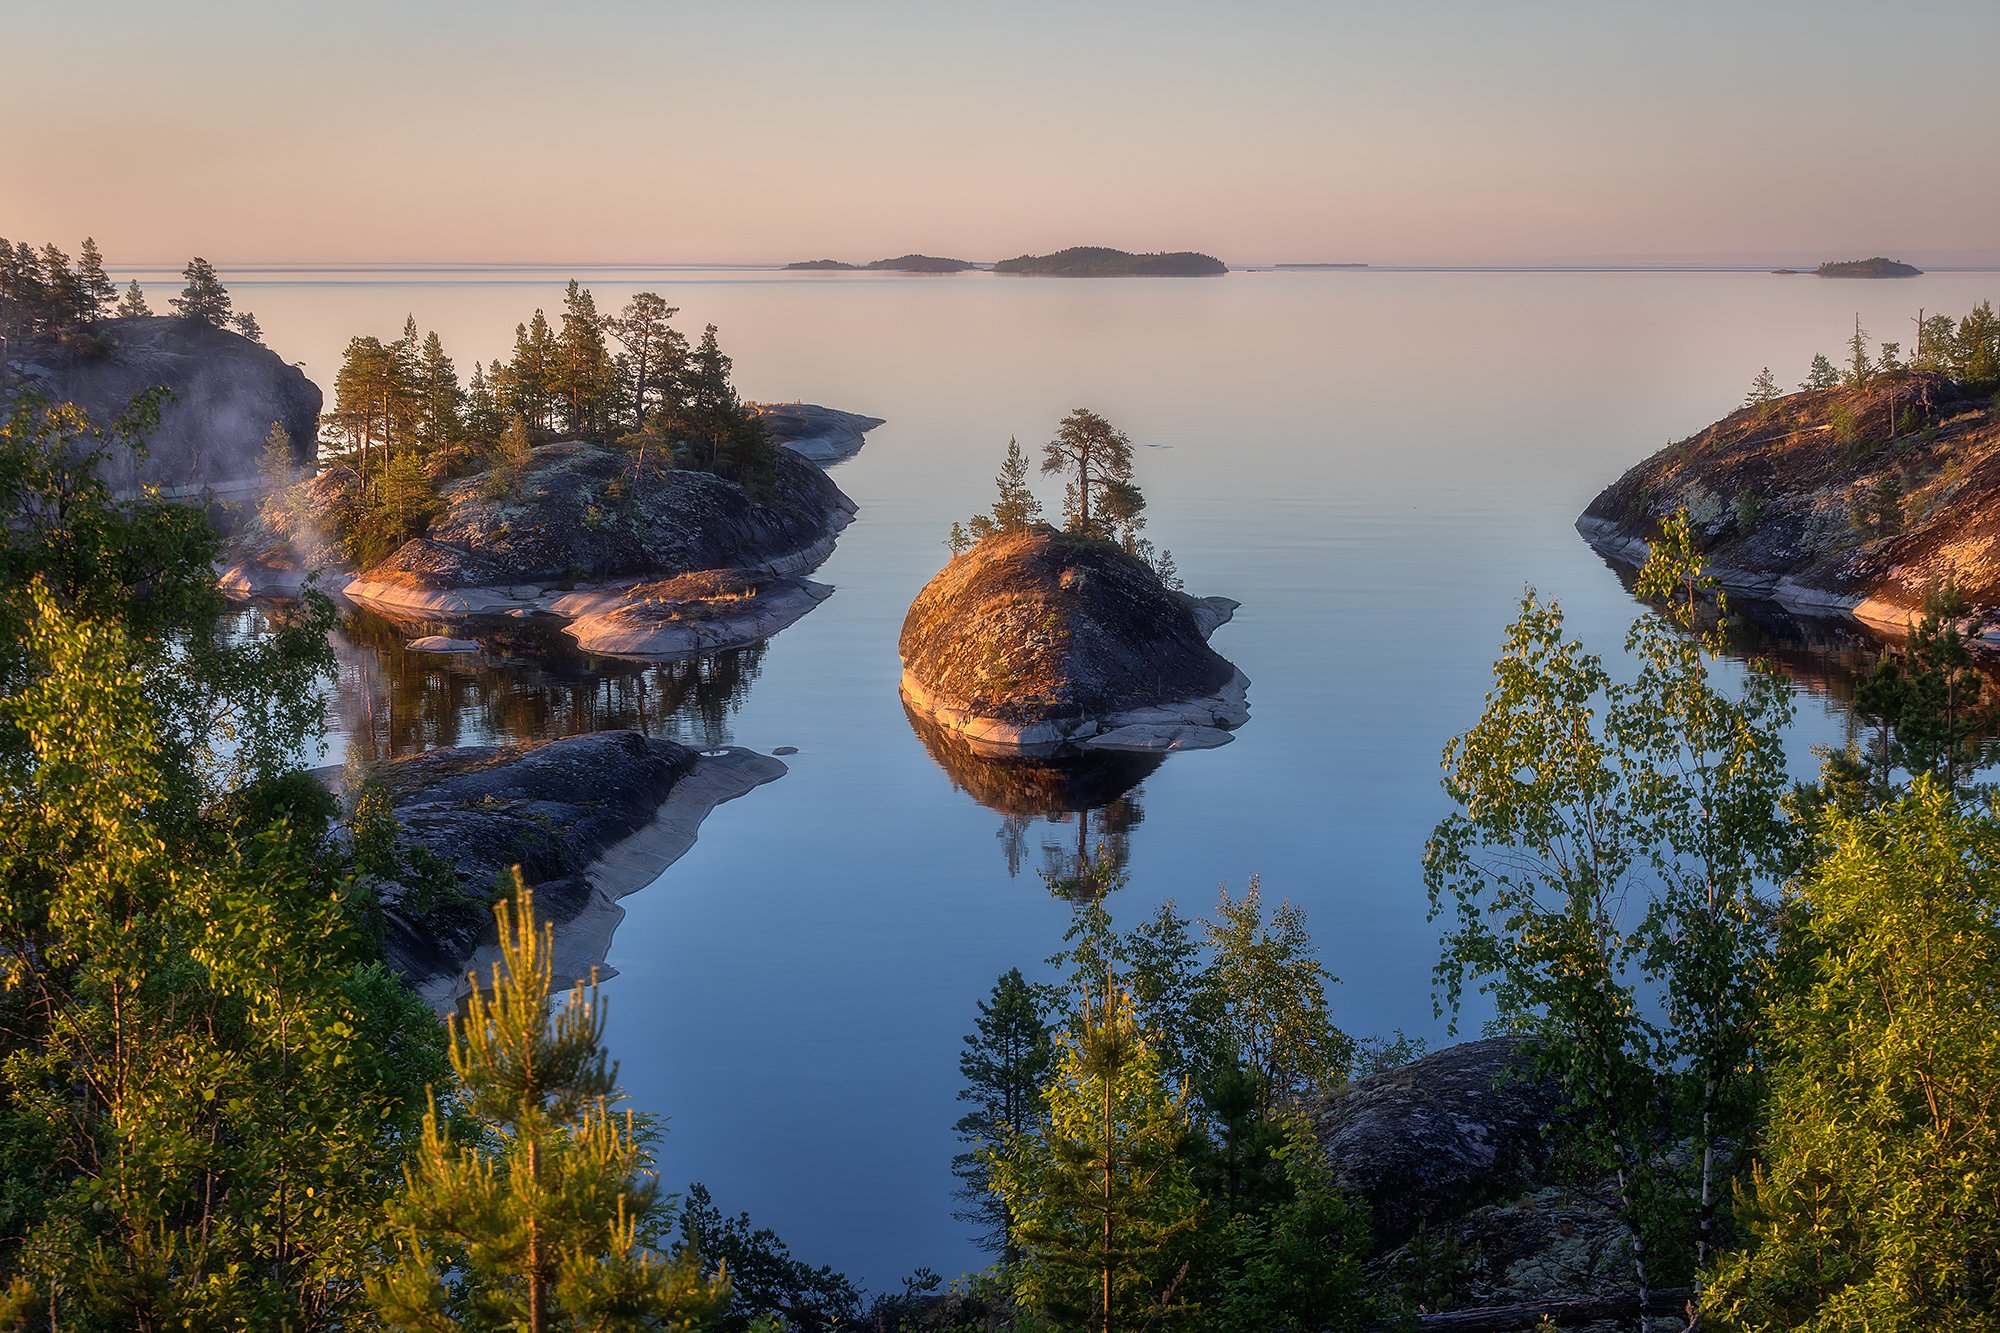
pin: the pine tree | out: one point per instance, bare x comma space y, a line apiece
548, 1218
63, 290
204, 298
582, 379
94, 286
1003, 1065
482, 421
1014, 505
527, 390
1099, 498
1821, 374
1977, 346
1860, 368
655, 356
1102, 1194
133, 306
1763, 390
246, 324
440, 398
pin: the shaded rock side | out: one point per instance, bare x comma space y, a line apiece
557, 810
1811, 503
580, 518
1041, 638
227, 392
1458, 1128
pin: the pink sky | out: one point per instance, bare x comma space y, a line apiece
772, 130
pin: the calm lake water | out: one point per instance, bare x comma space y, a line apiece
1373, 462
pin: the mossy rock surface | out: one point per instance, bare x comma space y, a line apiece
1041, 625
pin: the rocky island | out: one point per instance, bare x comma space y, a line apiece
1041, 640
656, 561
586, 535
1860, 499
1096, 261
1877, 267
588, 819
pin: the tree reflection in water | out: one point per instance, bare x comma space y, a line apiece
1084, 806
528, 681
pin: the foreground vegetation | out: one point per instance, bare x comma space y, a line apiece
1772, 1008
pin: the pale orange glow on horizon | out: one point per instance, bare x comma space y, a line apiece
763, 133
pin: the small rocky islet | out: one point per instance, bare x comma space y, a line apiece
1043, 642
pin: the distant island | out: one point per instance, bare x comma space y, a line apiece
900, 264
1877, 267
1096, 261
1316, 266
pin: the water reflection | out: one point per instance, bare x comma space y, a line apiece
1826, 657
528, 681
1073, 814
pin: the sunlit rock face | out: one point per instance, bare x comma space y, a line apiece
1040, 641
1856, 501
227, 393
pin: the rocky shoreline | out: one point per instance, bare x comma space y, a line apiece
589, 819
1845, 503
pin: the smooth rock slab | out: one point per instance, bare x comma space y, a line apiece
438, 643
635, 627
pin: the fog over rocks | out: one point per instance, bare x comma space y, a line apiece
227, 392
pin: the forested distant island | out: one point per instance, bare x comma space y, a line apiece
900, 264
1877, 267
1096, 261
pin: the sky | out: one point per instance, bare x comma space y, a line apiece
772, 130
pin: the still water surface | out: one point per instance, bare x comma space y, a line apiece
1373, 463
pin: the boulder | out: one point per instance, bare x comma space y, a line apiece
1425, 1142
693, 615
1037, 640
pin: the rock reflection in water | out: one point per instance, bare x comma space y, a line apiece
1824, 656
528, 682
1086, 804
